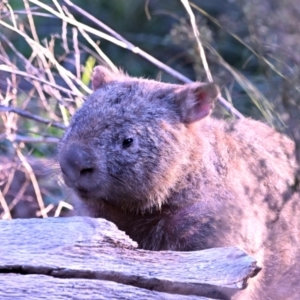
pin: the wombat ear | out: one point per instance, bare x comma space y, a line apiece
102, 75
196, 101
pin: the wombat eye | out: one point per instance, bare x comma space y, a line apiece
127, 143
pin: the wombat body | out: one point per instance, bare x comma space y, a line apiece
146, 156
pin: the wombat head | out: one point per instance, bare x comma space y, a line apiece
131, 140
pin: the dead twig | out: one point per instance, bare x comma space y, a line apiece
34, 182
28, 139
147, 56
31, 116
4, 68
6, 212
197, 37
20, 194
60, 206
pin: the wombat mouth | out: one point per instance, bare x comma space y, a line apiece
87, 193
82, 192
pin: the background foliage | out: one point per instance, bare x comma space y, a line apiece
252, 48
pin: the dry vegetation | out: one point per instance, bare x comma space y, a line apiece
40, 92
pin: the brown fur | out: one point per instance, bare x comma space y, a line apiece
186, 181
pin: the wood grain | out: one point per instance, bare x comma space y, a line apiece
97, 253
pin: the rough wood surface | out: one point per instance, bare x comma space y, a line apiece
36, 287
87, 248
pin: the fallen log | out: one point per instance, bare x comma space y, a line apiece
85, 258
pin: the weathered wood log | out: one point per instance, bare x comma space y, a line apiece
36, 287
83, 253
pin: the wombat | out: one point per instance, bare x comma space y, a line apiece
147, 156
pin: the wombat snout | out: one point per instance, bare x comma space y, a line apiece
77, 166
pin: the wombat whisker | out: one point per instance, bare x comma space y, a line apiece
121, 181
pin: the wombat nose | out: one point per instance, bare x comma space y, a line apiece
75, 162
